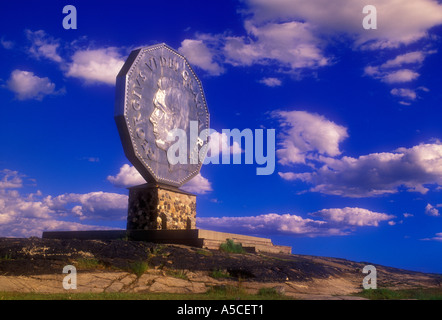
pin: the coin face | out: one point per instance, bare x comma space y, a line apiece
157, 92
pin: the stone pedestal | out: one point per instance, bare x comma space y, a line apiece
156, 207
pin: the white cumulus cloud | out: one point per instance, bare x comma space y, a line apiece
26, 85
437, 237
271, 82
43, 45
431, 211
198, 54
6, 43
96, 65
128, 176
400, 76
377, 173
221, 142
400, 70
31, 214
307, 134
266, 224
353, 216
292, 45
97, 205
334, 222
292, 36
10, 179
198, 184
414, 57
402, 22
404, 93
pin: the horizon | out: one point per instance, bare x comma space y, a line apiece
356, 114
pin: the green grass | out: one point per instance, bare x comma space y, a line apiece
387, 294
269, 292
238, 293
138, 268
203, 252
6, 257
215, 293
180, 274
158, 250
87, 263
226, 291
219, 274
231, 247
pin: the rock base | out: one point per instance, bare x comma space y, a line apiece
155, 207
195, 237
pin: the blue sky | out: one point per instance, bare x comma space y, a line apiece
357, 115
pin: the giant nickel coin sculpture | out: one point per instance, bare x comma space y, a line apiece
157, 91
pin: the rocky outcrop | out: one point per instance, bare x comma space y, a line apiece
156, 281
36, 265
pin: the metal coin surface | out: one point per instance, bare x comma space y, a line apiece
157, 91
